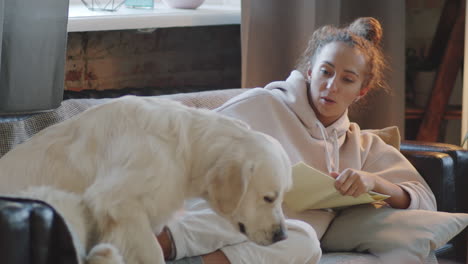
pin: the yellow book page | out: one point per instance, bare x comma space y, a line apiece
313, 189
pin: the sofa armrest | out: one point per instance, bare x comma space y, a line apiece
31, 232
448, 188
460, 160
438, 171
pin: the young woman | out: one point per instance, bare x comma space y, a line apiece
308, 114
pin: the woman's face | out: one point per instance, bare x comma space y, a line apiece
336, 79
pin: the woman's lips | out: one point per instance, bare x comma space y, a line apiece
327, 100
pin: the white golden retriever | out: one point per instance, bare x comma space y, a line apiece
118, 171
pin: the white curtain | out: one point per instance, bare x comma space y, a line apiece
33, 37
275, 32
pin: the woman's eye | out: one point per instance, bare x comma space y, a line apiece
324, 72
268, 199
348, 80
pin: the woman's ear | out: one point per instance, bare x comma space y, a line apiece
309, 73
363, 91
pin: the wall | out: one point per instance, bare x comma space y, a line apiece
209, 57
381, 109
422, 18
204, 58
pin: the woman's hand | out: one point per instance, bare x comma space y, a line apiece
165, 241
354, 182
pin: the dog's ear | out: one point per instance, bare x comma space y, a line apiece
228, 185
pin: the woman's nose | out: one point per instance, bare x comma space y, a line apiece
331, 84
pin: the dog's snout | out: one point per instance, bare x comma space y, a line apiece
279, 235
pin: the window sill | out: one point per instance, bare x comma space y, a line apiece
81, 19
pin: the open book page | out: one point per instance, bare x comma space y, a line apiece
313, 189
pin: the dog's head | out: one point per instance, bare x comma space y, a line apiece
247, 185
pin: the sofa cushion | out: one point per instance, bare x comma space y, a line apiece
15, 131
206, 99
390, 233
360, 258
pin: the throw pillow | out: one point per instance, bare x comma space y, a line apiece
390, 135
392, 233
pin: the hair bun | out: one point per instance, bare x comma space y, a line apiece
368, 28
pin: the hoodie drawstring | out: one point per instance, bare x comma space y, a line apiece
336, 154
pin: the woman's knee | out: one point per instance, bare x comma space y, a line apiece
303, 241
301, 246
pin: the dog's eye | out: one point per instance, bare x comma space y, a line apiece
242, 228
268, 199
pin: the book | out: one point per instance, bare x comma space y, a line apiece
313, 189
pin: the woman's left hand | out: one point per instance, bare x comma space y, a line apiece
354, 182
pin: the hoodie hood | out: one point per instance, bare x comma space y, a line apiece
293, 92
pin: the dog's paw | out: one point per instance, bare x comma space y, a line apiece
104, 254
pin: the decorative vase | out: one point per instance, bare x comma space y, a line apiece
143, 4
103, 5
185, 4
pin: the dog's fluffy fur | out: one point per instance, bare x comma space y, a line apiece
118, 171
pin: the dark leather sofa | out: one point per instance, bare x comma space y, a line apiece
445, 168
33, 232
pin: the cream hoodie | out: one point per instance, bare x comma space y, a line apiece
282, 110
